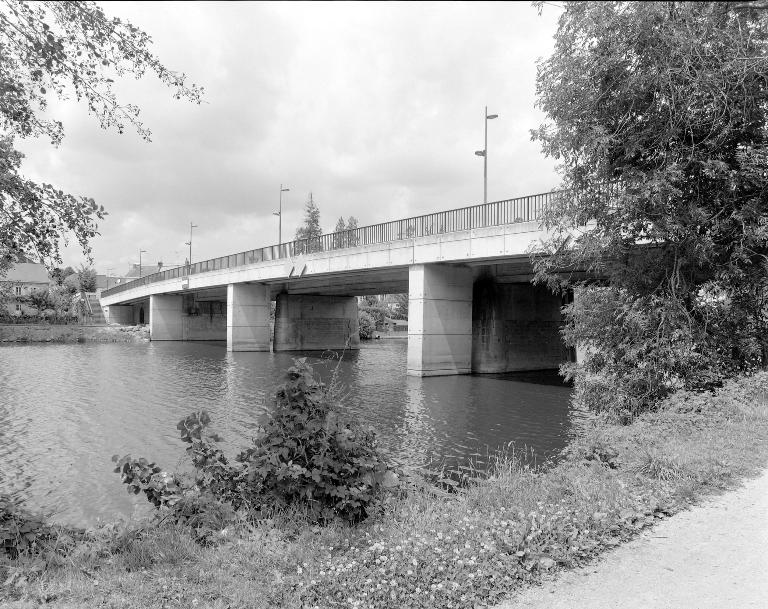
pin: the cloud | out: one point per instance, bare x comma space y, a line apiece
376, 108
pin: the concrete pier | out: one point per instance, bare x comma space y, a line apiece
515, 327
165, 321
311, 322
247, 325
439, 320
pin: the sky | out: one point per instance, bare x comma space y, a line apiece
375, 108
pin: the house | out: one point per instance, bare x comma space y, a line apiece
394, 325
21, 280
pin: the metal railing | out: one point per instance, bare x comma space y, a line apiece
508, 211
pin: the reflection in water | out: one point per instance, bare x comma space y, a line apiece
66, 409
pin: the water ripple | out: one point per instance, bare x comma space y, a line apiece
66, 409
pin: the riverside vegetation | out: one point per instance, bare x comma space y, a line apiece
311, 515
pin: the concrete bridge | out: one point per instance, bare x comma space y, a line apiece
471, 306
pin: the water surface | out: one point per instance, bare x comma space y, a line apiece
66, 409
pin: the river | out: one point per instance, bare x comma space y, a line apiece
65, 409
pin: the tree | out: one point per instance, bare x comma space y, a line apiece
352, 238
367, 325
86, 277
61, 300
41, 300
339, 238
375, 308
400, 308
59, 49
344, 236
72, 283
657, 114
310, 232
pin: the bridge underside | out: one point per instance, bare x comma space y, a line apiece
481, 317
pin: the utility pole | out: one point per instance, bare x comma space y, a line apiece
279, 214
189, 243
484, 153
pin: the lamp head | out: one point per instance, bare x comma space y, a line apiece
480, 152
276, 213
490, 116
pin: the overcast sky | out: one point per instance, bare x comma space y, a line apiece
376, 109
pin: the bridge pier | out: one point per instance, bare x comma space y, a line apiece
165, 321
247, 317
312, 322
515, 327
439, 320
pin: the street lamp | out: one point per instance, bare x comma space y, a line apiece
141, 251
189, 243
279, 214
484, 153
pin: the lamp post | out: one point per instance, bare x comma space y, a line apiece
109, 269
189, 243
141, 251
279, 214
484, 153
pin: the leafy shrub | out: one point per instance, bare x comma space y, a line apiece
367, 325
22, 532
305, 454
160, 488
638, 350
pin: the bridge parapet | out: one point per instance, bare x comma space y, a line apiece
507, 211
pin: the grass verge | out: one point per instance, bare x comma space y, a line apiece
426, 548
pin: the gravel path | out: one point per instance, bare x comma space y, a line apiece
714, 555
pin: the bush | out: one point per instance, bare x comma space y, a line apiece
305, 455
367, 325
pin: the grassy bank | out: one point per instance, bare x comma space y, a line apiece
52, 333
425, 548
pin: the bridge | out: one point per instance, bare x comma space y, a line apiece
467, 272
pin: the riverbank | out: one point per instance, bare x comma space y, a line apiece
712, 556
427, 548
71, 333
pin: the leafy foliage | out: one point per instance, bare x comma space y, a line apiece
41, 300
86, 277
367, 325
58, 48
375, 308
22, 532
305, 454
666, 104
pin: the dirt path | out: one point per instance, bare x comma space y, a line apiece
712, 556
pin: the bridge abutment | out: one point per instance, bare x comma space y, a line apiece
120, 314
439, 320
247, 317
312, 322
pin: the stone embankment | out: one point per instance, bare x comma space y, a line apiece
72, 334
